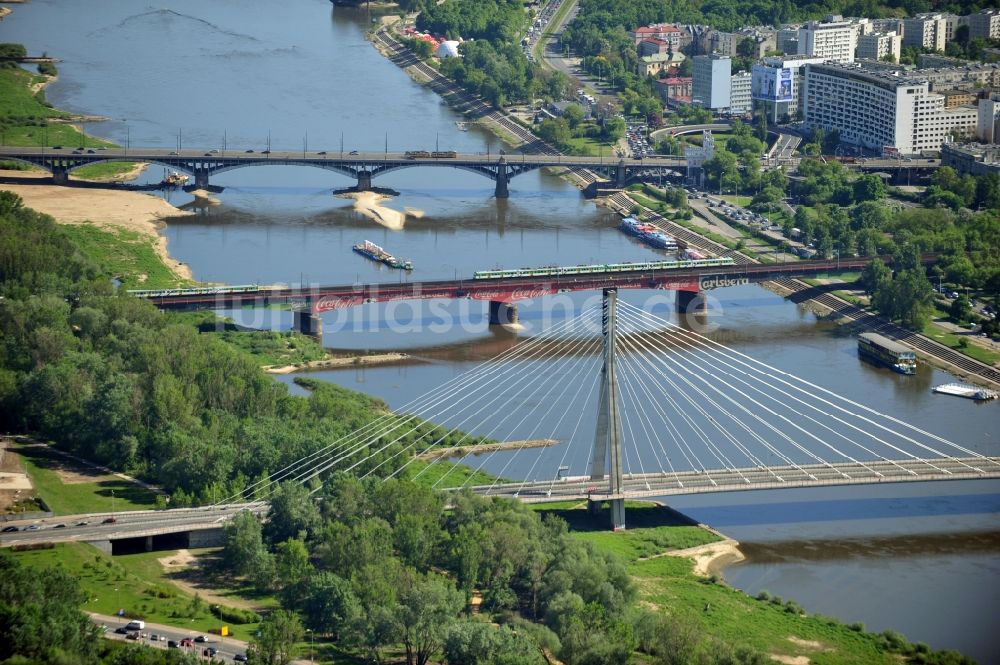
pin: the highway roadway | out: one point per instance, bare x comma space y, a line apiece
132, 524
752, 478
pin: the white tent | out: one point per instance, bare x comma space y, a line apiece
448, 49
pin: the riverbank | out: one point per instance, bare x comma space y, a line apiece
338, 361
462, 451
102, 208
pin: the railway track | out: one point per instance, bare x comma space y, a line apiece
861, 321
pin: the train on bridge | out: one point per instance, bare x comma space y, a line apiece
599, 268
437, 154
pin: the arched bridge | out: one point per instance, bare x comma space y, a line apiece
361, 166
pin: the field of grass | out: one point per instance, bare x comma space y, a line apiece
104, 171
128, 255
741, 201
457, 474
136, 583
85, 497
274, 348
590, 147
955, 342
717, 609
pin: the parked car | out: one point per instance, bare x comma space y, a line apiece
121, 630
209, 652
171, 644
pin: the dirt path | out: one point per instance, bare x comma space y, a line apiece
184, 571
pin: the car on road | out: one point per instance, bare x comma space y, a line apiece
213, 152
209, 652
173, 152
109, 520
82, 523
9, 529
354, 152
156, 638
265, 152
201, 638
321, 152
59, 526
248, 151
171, 644
187, 642
240, 658
132, 636
57, 147
121, 630
208, 154
91, 152
32, 527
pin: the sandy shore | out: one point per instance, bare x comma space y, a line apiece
134, 211
713, 557
370, 205
462, 451
350, 361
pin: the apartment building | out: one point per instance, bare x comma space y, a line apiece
668, 33
833, 39
880, 110
985, 23
777, 82
988, 122
740, 93
879, 45
926, 31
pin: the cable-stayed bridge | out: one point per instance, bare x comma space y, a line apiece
639, 406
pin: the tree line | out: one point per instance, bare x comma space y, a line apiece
108, 376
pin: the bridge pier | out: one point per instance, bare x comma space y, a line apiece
201, 178
60, 176
608, 432
308, 324
691, 302
148, 544
503, 313
620, 174
364, 181
501, 191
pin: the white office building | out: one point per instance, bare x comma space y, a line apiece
880, 110
740, 93
835, 40
878, 45
926, 31
711, 81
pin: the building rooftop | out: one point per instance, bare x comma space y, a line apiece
893, 79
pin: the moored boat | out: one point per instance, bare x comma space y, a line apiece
966, 390
372, 251
885, 351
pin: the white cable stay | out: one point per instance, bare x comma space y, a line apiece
704, 378
777, 375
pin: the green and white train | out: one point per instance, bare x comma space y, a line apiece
559, 271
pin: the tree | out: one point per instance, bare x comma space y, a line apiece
960, 309
477, 643
330, 606
293, 514
292, 568
424, 613
875, 276
869, 188
275, 645
244, 550
574, 115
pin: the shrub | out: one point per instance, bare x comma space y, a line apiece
235, 614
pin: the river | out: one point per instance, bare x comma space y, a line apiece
922, 559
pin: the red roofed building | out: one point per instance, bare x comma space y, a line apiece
674, 88
652, 46
668, 33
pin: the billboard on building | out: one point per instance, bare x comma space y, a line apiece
772, 84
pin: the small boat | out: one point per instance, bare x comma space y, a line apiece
967, 391
462, 126
174, 179
372, 251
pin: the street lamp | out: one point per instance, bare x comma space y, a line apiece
309, 630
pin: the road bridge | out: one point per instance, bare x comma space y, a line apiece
362, 166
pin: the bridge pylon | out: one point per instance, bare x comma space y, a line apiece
608, 434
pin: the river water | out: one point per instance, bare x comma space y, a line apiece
922, 559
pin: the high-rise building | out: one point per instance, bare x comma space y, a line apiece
988, 121
787, 40
985, 23
835, 40
777, 81
878, 45
881, 110
740, 97
926, 31
711, 81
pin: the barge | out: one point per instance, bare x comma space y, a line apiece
370, 250
884, 351
966, 390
